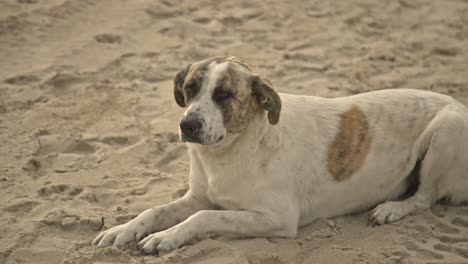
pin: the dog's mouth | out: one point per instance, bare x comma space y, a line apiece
197, 140
191, 139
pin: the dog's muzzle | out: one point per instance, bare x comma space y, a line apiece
191, 128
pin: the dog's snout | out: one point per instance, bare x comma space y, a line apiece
190, 127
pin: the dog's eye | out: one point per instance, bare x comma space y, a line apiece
222, 95
191, 89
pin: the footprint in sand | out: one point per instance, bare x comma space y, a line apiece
32, 165
51, 144
88, 196
231, 21
445, 228
22, 206
64, 190
422, 251
117, 141
460, 221
61, 154
108, 38
80, 147
113, 140
453, 239
207, 250
265, 259
28, 1
70, 221
163, 11
22, 79
62, 80
446, 240
90, 224
461, 252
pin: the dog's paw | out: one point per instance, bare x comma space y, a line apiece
389, 212
163, 241
118, 236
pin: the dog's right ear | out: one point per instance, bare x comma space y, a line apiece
178, 83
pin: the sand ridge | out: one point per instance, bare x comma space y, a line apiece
88, 125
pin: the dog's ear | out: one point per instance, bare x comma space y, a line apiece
267, 98
178, 83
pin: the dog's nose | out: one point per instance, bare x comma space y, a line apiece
190, 127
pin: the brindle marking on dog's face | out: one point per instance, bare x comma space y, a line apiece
218, 91
349, 149
194, 79
188, 81
240, 108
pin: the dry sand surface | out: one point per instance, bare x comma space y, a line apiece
88, 125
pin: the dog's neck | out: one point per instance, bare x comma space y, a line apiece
259, 131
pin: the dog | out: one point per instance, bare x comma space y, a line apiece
264, 163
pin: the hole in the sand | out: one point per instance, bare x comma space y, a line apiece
80, 147
32, 165
108, 38
28, 1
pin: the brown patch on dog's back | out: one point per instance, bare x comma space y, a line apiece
349, 149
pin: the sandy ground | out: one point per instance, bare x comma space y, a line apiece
88, 125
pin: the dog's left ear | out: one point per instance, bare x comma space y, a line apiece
178, 83
268, 98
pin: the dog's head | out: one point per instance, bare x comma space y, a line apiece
222, 95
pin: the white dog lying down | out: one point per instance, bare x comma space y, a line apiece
254, 173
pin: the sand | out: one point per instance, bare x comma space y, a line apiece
88, 125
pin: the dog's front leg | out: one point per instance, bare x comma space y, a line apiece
243, 223
151, 220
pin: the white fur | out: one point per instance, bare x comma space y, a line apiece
268, 180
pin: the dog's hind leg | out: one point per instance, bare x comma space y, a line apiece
444, 167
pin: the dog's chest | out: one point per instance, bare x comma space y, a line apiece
225, 193
223, 200
227, 187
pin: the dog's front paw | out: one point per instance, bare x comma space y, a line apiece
118, 236
163, 241
389, 212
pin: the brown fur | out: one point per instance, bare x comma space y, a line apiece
178, 85
267, 98
239, 110
190, 76
351, 145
